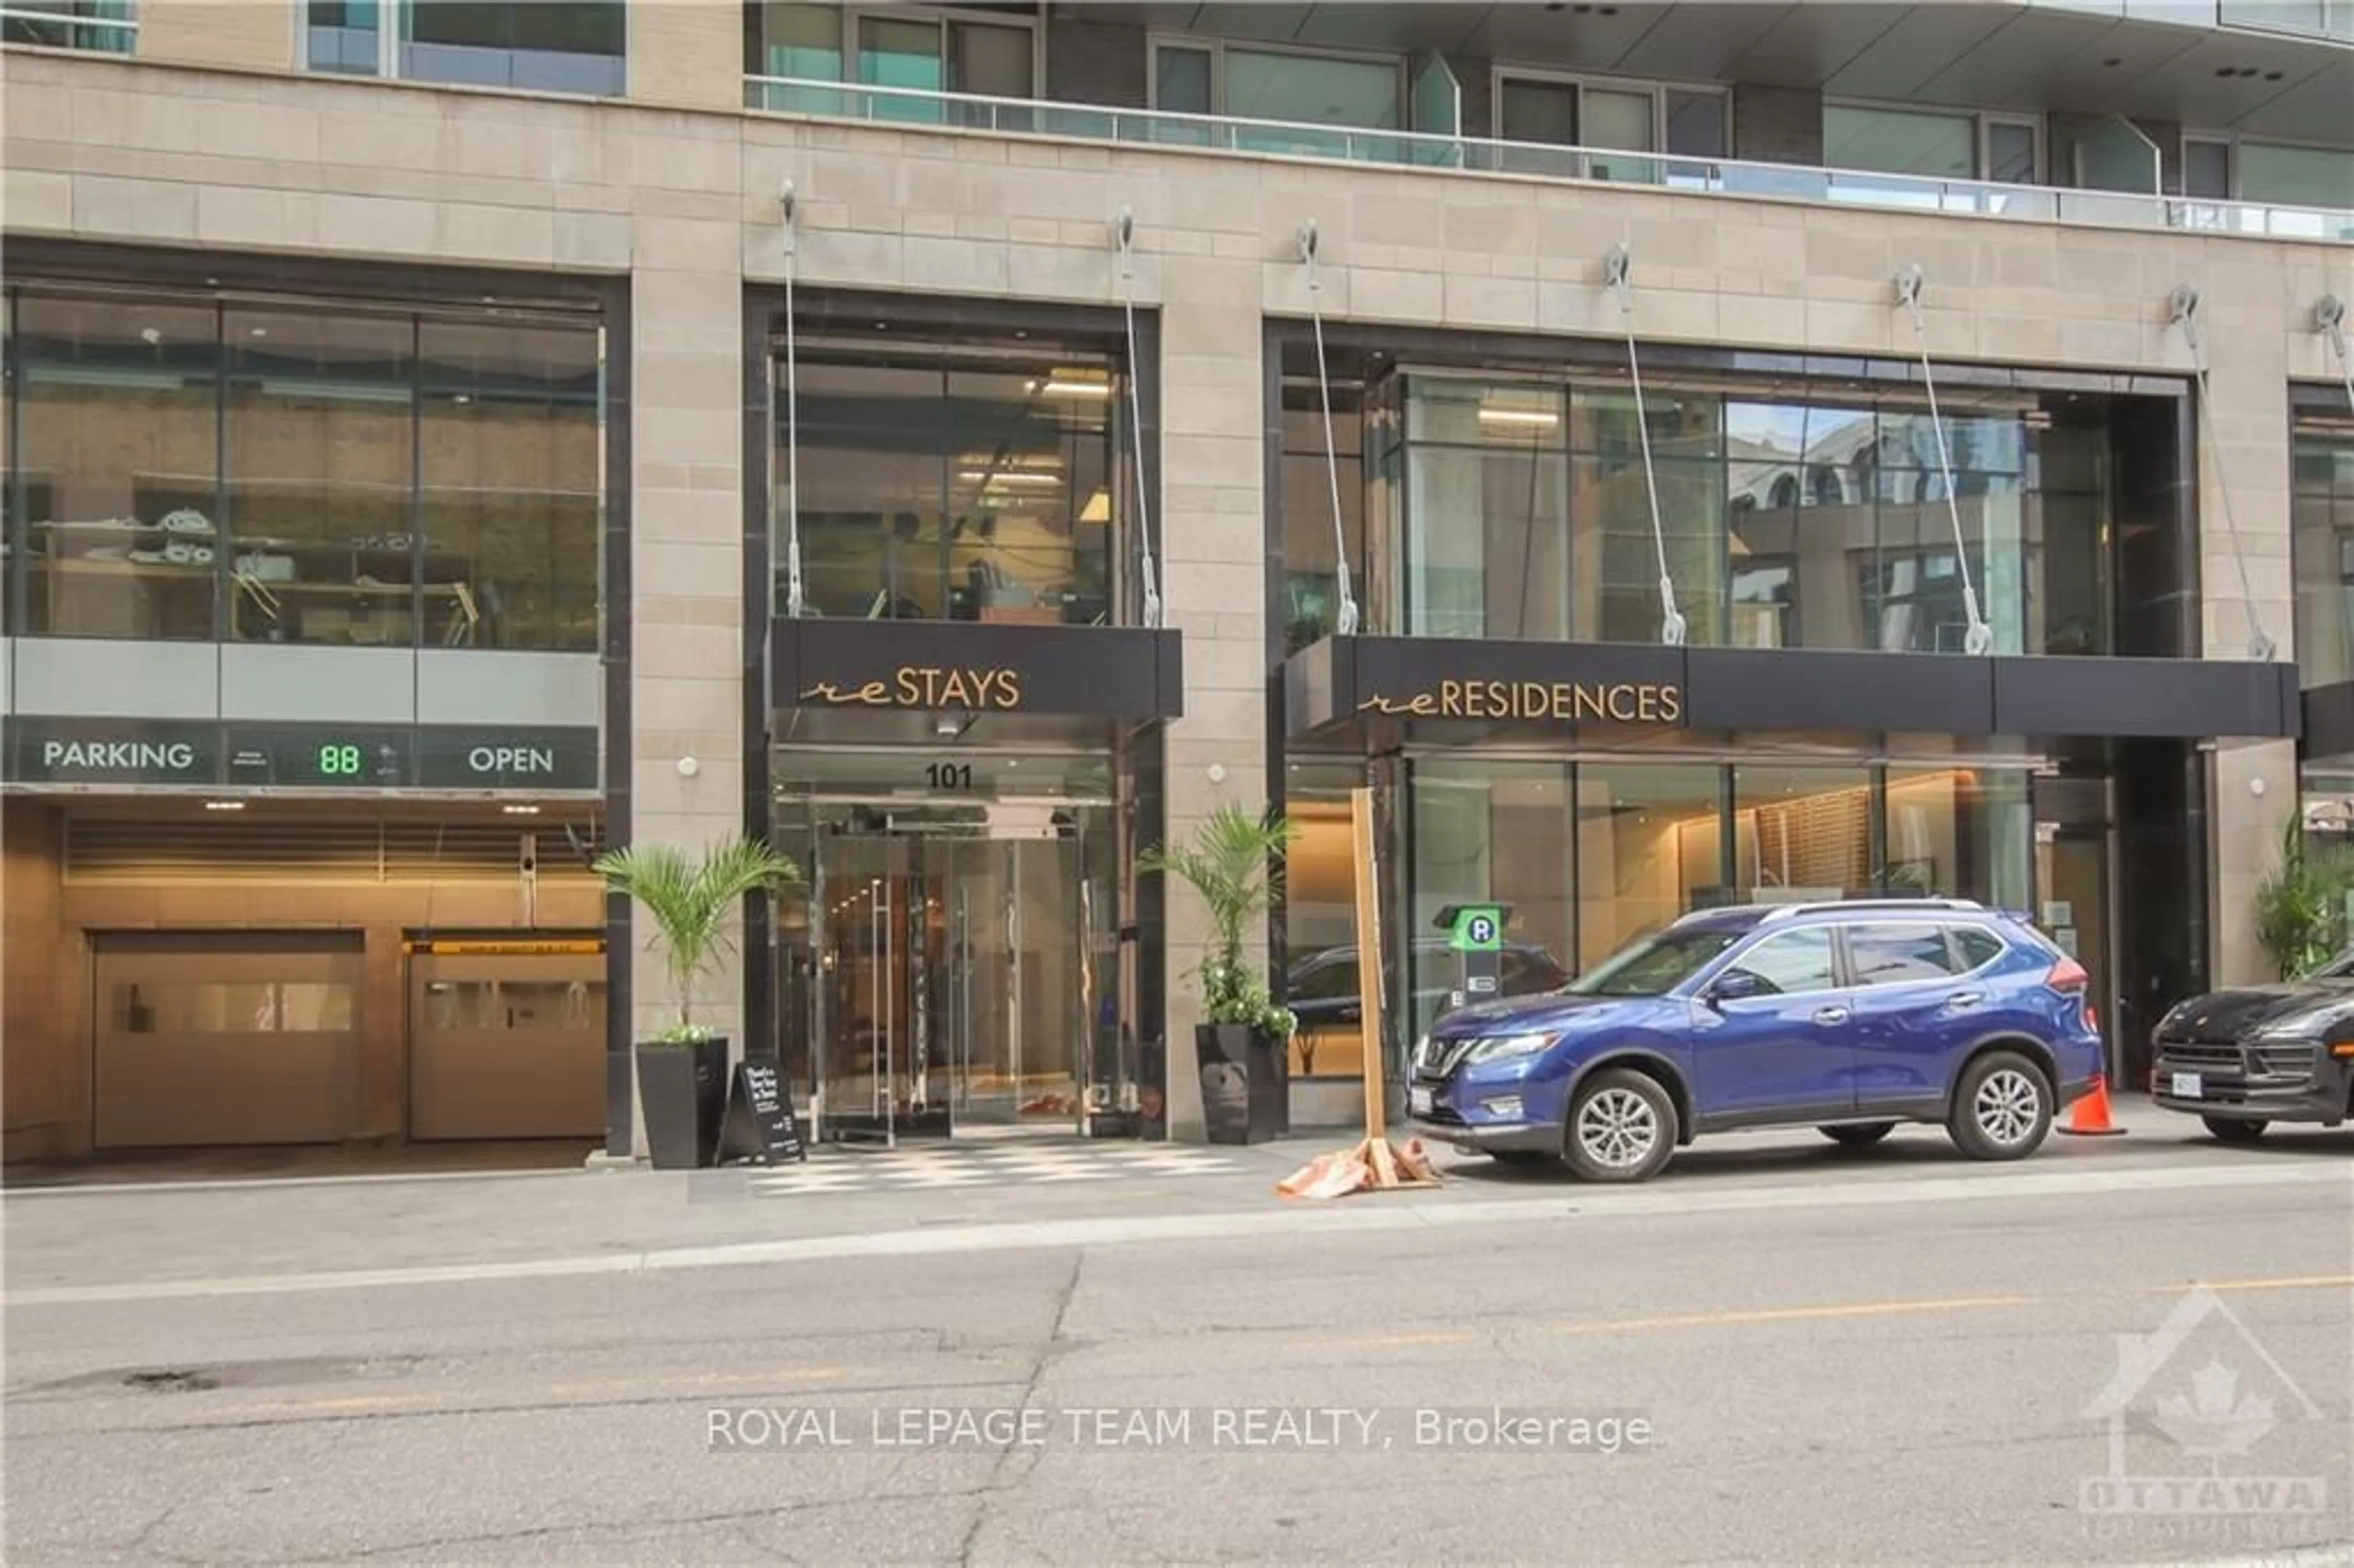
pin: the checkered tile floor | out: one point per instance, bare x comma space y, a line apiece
991, 1163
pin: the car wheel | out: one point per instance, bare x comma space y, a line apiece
1858, 1134
1622, 1128
2231, 1129
2002, 1107
1519, 1157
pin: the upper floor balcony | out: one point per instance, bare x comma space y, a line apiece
911, 108
2108, 113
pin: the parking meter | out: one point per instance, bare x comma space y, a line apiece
1475, 933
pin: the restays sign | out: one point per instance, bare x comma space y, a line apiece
117, 751
974, 689
1660, 703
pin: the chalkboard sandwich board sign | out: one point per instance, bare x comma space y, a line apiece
760, 1124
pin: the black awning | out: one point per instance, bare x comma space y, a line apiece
977, 668
1436, 685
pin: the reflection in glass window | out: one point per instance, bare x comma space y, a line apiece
581, 46
233, 1007
1615, 559
958, 490
1898, 954
100, 27
1486, 548
510, 540
1312, 89
2298, 176
321, 468
1900, 142
1310, 548
116, 461
1790, 964
1959, 832
511, 1006
1320, 914
783, 38
1650, 848
1801, 834
2322, 529
152, 488
1488, 831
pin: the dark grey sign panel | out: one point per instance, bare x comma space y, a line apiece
113, 751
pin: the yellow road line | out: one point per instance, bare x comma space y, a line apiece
1792, 1314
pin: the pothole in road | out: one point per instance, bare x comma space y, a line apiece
174, 1382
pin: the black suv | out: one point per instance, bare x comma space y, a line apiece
2241, 1060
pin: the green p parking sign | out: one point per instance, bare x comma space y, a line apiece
1478, 929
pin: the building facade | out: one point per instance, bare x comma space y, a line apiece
966, 446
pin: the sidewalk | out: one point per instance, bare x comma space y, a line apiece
66, 1236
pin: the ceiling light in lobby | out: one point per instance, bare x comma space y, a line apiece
1504, 414
224, 805
1091, 384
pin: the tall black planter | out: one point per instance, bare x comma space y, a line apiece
683, 1091
1243, 1088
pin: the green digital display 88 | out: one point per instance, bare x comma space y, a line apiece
370, 759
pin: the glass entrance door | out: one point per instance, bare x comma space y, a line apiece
959, 956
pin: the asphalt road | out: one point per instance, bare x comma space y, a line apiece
1916, 1363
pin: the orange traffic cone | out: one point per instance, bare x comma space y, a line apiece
2089, 1117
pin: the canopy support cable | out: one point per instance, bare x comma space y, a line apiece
2183, 306
1615, 266
2329, 321
1148, 570
1344, 615
1978, 637
796, 599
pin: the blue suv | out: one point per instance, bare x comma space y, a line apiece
1851, 1017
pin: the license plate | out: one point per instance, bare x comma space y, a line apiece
2184, 1086
1417, 1100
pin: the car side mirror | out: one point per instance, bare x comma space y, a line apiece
1733, 985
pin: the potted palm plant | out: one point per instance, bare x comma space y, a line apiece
2300, 907
683, 1070
1235, 861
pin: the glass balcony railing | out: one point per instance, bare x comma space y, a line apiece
1853, 187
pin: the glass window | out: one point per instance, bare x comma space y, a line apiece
574, 48
1801, 834
510, 419
1900, 142
117, 465
1696, 124
1319, 913
2298, 176
1310, 550
102, 26
1615, 560
1532, 111
319, 456
938, 491
515, 1006
1485, 831
1959, 832
788, 39
1181, 80
1625, 122
1312, 89
1486, 551
1892, 954
1650, 848
992, 62
2011, 148
1654, 966
1798, 499
2322, 527
1790, 963
2207, 169
345, 35
893, 53
1975, 945
232, 1007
